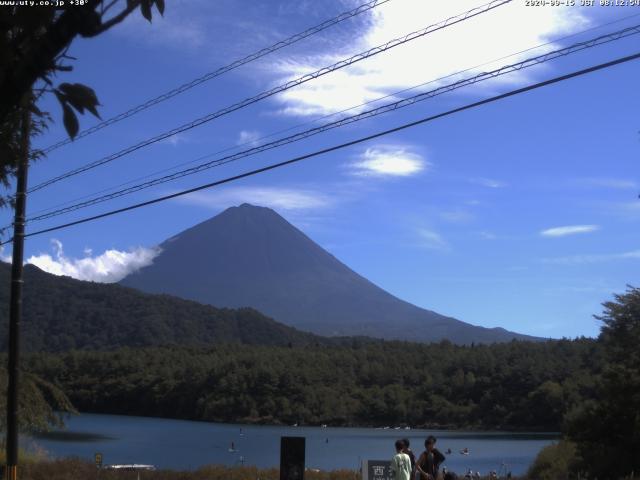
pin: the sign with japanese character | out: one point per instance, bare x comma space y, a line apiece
376, 470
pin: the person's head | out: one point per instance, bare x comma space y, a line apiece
405, 443
399, 445
430, 442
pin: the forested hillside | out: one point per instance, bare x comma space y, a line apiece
61, 313
517, 385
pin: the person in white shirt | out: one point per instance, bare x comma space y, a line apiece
400, 463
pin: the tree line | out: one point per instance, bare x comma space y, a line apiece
517, 385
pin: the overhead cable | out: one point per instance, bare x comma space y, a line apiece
530, 62
316, 153
329, 115
365, 7
286, 86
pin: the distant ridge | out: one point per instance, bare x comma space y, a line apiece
251, 256
61, 313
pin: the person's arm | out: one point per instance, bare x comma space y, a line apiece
393, 466
419, 467
438, 457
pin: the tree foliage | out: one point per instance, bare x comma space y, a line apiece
61, 313
41, 403
555, 461
606, 429
517, 385
34, 42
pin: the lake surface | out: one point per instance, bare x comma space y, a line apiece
187, 445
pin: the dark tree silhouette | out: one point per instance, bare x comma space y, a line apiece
607, 429
34, 42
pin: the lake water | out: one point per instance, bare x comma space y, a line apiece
179, 444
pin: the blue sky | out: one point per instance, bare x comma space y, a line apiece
521, 214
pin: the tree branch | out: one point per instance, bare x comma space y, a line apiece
116, 19
39, 59
106, 9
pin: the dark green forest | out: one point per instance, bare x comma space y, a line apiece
112, 349
517, 385
61, 314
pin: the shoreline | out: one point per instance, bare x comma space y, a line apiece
260, 423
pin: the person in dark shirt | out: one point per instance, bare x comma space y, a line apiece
429, 462
412, 457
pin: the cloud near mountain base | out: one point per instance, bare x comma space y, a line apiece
111, 266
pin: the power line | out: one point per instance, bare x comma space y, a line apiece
603, 39
317, 119
469, 106
222, 70
286, 86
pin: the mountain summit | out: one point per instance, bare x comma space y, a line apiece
250, 256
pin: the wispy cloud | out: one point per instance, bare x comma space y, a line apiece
568, 230
176, 140
177, 29
388, 161
612, 183
110, 266
432, 240
593, 258
5, 257
248, 137
488, 235
458, 216
625, 210
489, 182
274, 197
437, 55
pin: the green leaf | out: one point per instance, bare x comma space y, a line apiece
160, 5
80, 97
70, 121
145, 8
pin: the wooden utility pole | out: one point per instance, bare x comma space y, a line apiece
15, 305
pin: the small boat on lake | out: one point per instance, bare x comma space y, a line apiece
130, 467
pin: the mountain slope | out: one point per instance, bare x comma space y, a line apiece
61, 313
251, 256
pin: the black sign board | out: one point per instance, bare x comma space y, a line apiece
292, 451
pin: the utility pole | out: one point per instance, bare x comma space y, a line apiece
15, 306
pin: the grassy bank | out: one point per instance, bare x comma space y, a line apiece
74, 469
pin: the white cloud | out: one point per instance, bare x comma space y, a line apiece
613, 183
178, 29
488, 235
176, 140
432, 240
629, 211
593, 258
109, 267
249, 137
568, 230
458, 216
489, 182
274, 197
5, 257
433, 56
387, 160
